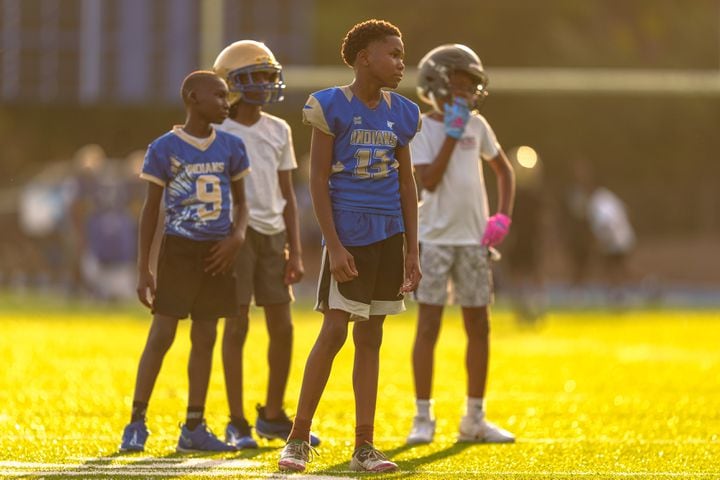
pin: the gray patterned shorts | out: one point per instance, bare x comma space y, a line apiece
462, 270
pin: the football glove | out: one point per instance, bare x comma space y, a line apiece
496, 228
457, 115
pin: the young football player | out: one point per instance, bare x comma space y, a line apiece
265, 269
200, 172
455, 230
365, 202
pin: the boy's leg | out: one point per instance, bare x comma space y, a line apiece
428, 329
477, 328
280, 331
160, 338
317, 370
473, 426
194, 434
367, 336
202, 338
234, 336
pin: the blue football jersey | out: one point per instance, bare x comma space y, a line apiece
197, 176
364, 176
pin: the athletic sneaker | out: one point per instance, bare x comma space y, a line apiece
295, 455
278, 427
367, 458
201, 440
423, 431
134, 437
477, 429
239, 438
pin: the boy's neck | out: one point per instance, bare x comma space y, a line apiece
369, 93
197, 127
246, 114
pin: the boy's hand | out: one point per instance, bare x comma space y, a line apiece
145, 285
342, 264
412, 273
294, 269
497, 227
457, 115
222, 254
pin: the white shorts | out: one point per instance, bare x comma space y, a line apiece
464, 270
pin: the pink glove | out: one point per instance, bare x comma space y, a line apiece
496, 228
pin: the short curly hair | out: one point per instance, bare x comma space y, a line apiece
362, 34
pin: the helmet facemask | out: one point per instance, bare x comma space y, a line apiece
241, 83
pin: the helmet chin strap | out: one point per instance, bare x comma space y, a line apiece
434, 103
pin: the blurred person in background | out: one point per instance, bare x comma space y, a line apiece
614, 238
270, 260
456, 230
575, 225
108, 232
52, 210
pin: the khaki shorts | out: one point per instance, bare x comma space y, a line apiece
260, 270
464, 270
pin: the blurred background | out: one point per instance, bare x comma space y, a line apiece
609, 110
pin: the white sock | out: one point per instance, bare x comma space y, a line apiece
475, 407
425, 408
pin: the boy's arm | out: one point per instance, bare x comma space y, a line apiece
342, 264
498, 225
146, 232
409, 203
294, 270
431, 174
222, 254
505, 181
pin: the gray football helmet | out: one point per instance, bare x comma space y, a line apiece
434, 71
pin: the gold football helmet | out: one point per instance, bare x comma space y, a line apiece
240, 64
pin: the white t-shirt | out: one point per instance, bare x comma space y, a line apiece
457, 211
269, 147
609, 222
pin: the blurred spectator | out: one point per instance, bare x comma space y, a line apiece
575, 225
109, 232
614, 235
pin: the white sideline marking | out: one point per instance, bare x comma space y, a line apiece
148, 466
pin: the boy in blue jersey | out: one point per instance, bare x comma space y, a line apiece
365, 201
200, 170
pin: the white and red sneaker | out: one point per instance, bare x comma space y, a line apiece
367, 458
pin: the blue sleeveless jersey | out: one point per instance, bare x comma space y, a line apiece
364, 176
197, 179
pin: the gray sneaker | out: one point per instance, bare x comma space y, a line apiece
367, 458
295, 455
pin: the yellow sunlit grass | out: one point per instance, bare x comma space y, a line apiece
596, 395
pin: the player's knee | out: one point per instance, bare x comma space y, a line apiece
236, 330
479, 327
282, 332
428, 332
368, 338
203, 338
160, 340
332, 337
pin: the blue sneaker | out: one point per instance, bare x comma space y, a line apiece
239, 437
277, 428
134, 437
201, 440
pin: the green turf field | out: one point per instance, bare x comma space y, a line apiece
591, 395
